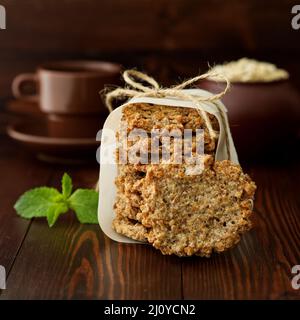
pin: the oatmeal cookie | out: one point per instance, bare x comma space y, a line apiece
196, 214
148, 117
130, 228
180, 209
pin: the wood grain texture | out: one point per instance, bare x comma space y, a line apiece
131, 25
260, 266
73, 261
16, 177
134, 32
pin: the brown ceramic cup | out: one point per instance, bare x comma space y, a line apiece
68, 87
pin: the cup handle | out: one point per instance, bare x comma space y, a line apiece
19, 81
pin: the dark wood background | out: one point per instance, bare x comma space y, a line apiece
169, 39
74, 261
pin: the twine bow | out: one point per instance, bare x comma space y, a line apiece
135, 88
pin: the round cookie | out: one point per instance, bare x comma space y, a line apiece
196, 214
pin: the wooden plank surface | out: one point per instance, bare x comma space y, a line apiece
260, 266
133, 32
18, 173
73, 261
134, 25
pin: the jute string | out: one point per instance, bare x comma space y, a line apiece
135, 88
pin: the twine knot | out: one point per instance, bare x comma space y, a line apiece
139, 84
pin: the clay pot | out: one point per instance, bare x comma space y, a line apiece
264, 117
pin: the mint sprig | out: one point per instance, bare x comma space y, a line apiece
50, 203
66, 186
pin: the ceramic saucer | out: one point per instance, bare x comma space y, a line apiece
34, 136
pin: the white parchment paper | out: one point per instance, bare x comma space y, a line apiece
109, 171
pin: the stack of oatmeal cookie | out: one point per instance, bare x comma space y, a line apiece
159, 203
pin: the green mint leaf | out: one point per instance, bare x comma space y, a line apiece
66, 183
85, 204
36, 202
55, 211
50, 203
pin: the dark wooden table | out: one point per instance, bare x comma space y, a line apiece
73, 261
